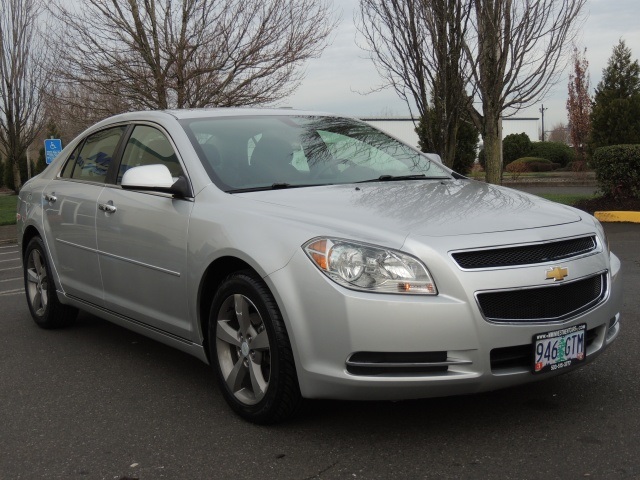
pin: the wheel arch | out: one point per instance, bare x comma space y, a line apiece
29, 233
213, 276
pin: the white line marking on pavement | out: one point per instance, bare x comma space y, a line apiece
10, 279
9, 253
17, 259
12, 292
13, 245
10, 268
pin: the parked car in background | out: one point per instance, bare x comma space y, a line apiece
306, 255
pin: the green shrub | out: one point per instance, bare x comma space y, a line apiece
618, 170
530, 164
556, 152
515, 146
482, 159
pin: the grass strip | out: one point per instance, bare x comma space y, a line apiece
8, 205
566, 199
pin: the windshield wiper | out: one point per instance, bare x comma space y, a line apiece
393, 178
281, 185
276, 186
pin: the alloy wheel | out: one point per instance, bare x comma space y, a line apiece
243, 349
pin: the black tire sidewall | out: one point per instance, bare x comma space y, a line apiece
254, 289
36, 244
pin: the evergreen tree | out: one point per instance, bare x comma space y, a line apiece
615, 118
515, 146
431, 139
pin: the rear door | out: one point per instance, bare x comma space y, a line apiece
70, 214
142, 239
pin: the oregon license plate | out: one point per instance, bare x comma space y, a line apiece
559, 349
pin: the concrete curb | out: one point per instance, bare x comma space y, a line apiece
629, 217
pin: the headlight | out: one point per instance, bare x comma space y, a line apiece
603, 235
369, 268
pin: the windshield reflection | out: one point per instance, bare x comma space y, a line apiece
268, 152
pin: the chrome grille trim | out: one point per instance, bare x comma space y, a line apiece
401, 363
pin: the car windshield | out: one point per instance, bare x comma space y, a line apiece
271, 152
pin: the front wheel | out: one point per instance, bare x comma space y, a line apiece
45, 308
250, 351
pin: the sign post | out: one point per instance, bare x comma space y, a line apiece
52, 147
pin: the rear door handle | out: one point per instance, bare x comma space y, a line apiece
105, 207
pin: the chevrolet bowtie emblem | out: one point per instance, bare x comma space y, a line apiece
557, 273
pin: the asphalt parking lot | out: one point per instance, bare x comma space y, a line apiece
96, 401
10, 271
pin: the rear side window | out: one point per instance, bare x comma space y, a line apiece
71, 161
92, 162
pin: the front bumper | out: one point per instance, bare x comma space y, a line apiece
327, 324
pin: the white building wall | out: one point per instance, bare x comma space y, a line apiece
530, 126
401, 128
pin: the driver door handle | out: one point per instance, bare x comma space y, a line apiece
50, 198
105, 207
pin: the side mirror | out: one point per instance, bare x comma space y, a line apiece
155, 178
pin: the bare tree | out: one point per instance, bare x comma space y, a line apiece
560, 133
189, 53
22, 80
579, 104
416, 45
517, 53
514, 51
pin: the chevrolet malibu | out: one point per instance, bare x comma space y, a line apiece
305, 255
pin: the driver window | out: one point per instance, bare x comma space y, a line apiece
149, 146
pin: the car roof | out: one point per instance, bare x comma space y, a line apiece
188, 113
240, 111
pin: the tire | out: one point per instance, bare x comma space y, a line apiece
250, 351
40, 289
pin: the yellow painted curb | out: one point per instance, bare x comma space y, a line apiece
632, 217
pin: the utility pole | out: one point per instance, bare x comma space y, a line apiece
542, 109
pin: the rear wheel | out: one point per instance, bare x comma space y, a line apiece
250, 351
45, 308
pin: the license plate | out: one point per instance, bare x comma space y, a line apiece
559, 349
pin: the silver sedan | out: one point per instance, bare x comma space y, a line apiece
305, 255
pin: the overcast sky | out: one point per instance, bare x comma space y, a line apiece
333, 82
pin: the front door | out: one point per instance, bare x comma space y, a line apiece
142, 239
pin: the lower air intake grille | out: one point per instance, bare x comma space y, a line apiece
398, 363
525, 255
554, 302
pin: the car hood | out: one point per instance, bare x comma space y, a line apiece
419, 208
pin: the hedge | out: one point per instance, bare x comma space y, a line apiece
530, 164
554, 151
618, 170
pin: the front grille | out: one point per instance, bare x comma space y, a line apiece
554, 302
525, 255
521, 356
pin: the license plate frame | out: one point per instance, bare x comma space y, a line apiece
559, 349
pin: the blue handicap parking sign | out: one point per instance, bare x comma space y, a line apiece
52, 147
